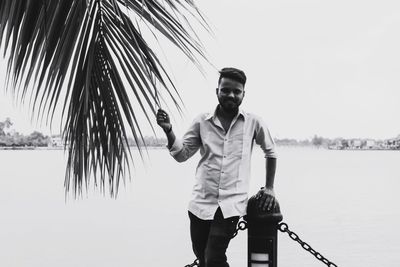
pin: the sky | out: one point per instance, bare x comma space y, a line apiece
329, 68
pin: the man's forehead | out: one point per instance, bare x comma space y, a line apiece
228, 82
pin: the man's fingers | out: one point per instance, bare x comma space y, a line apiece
162, 117
265, 201
261, 201
259, 194
161, 112
270, 203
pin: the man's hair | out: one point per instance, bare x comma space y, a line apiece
234, 74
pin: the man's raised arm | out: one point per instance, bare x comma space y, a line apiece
165, 123
180, 150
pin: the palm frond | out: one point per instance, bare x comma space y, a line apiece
87, 58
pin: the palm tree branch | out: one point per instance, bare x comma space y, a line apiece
88, 55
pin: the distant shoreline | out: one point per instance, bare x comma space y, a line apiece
29, 148
163, 147
60, 147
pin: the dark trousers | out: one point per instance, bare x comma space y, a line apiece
210, 238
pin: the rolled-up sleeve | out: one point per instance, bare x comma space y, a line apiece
183, 149
264, 139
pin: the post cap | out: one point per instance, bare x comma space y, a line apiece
257, 214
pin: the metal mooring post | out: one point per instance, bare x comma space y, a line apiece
262, 235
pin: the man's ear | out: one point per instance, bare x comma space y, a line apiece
216, 90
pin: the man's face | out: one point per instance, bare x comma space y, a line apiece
230, 94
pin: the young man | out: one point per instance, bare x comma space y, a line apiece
225, 138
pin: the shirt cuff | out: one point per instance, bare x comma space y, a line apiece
176, 147
271, 153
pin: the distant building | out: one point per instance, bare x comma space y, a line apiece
355, 144
369, 144
393, 143
56, 141
380, 144
397, 143
336, 144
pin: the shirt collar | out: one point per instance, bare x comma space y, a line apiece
213, 114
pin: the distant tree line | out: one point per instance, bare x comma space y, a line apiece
292, 142
149, 141
12, 138
343, 143
316, 141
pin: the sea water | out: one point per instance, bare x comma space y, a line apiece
345, 204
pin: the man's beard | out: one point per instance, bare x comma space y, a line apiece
229, 105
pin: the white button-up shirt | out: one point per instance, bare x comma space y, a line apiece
223, 172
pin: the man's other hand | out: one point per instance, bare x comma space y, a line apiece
163, 120
266, 199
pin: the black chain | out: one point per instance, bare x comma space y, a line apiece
195, 263
242, 225
283, 227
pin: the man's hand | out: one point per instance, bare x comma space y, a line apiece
266, 199
163, 120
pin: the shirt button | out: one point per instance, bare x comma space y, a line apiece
224, 156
